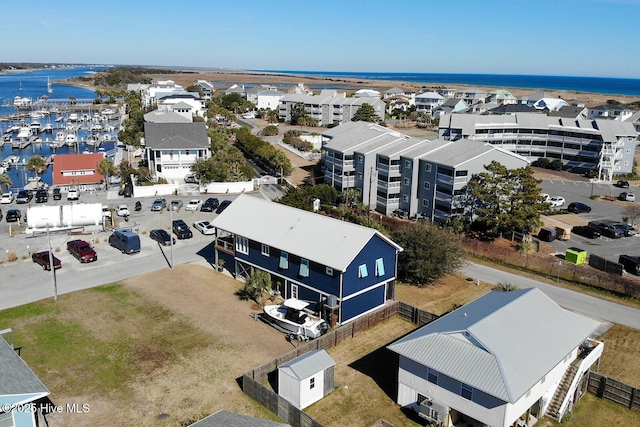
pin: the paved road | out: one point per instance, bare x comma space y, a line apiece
571, 300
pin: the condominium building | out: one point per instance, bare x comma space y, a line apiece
604, 146
328, 107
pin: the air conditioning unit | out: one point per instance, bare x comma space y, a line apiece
431, 411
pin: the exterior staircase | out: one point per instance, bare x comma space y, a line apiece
560, 395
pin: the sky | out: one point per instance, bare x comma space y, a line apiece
531, 37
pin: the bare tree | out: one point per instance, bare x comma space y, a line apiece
631, 212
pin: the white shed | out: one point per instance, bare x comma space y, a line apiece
306, 379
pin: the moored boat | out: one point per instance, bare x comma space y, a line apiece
293, 317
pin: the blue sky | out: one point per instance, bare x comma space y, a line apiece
537, 37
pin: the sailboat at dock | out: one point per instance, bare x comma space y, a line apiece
49, 90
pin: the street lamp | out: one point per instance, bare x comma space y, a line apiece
171, 233
52, 267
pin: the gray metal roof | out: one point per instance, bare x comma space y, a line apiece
157, 116
316, 237
231, 419
15, 375
362, 137
176, 135
308, 364
503, 343
464, 150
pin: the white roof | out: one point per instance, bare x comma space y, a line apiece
308, 364
503, 343
327, 241
296, 304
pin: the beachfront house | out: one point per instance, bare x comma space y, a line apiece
185, 103
609, 111
172, 148
207, 89
604, 146
22, 394
426, 102
79, 171
345, 270
472, 95
484, 365
150, 93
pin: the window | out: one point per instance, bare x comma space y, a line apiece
359, 159
406, 181
329, 271
432, 377
362, 271
466, 391
304, 268
407, 164
265, 250
380, 267
312, 383
359, 175
427, 167
425, 203
294, 291
405, 198
427, 185
284, 260
242, 245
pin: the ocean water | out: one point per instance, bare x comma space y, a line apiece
604, 85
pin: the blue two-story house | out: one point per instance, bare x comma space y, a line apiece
345, 269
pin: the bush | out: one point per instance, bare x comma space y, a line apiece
12, 256
270, 131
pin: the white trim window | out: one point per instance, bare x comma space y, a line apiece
427, 167
265, 250
380, 267
284, 260
294, 291
362, 271
329, 271
304, 268
242, 245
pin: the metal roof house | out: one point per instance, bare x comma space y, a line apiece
344, 270
20, 389
306, 379
505, 359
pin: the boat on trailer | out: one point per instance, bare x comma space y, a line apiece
293, 317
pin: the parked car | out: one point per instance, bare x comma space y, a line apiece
7, 198
631, 264
190, 179
175, 205
577, 207
627, 196
205, 227
547, 234
586, 231
125, 240
622, 184
13, 215
210, 205
223, 206
106, 212
159, 204
629, 230
608, 229
57, 194
24, 196
181, 229
73, 194
193, 205
556, 201
546, 197
82, 251
162, 237
122, 210
42, 196
42, 259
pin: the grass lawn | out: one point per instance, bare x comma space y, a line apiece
175, 341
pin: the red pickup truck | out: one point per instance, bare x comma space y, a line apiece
82, 250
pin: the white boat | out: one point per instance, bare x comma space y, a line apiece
24, 132
35, 127
71, 138
292, 317
48, 128
19, 102
106, 137
73, 117
61, 136
96, 128
59, 119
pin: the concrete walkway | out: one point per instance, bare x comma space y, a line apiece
593, 307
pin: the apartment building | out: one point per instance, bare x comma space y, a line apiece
329, 106
604, 146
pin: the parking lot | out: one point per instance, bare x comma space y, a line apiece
24, 281
581, 191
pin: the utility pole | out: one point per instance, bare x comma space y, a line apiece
171, 232
52, 267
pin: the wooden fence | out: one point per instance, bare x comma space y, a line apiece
614, 390
253, 380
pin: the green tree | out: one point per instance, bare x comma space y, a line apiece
297, 112
366, 113
5, 182
272, 116
106, 168
429, 253
270, 131
302, 196
256, 284
506, 287
501, 199
37, 165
